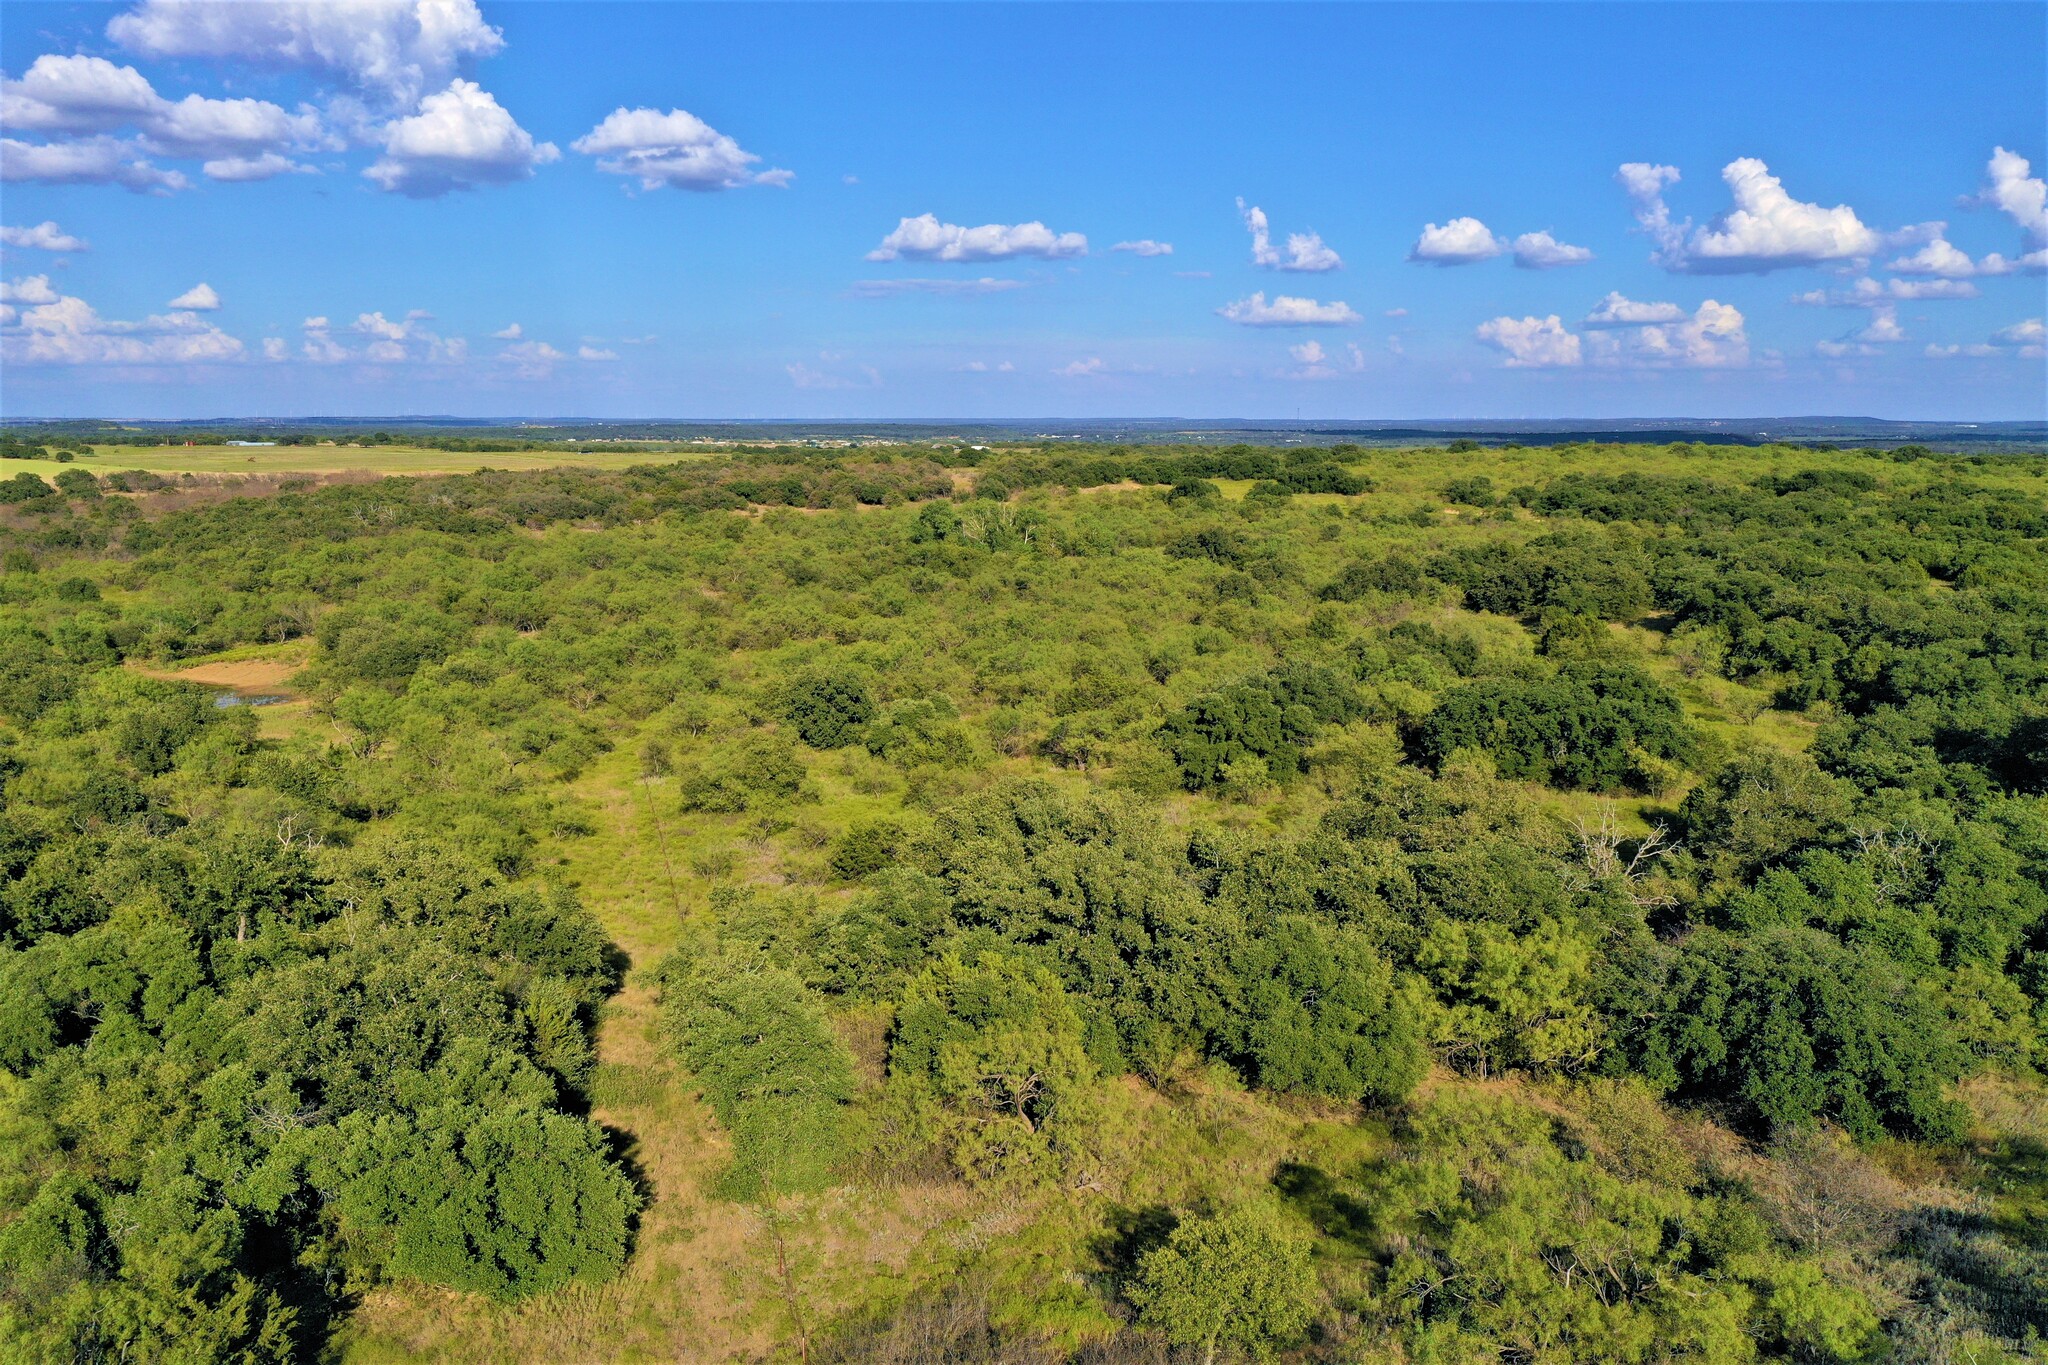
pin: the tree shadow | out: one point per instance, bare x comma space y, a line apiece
1129, 1235
2001, 1281
623, 1147
1334, 1213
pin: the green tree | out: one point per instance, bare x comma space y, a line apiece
997, 1042
1322, 1016
827, 709
1239, 1278
775, 1073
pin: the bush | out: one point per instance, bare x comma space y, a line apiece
1241, 1278
1578, 730
762, 770
775, 1073
827, 709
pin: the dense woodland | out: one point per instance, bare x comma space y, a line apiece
1028, 905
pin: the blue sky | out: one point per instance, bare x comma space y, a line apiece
701, 210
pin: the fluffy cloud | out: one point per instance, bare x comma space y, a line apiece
242, 169
320, 346
1541, 251
1712, 338
87, 161
200, 298
1869, 293
676, 149
1458, 242
460, 139
395, 50
1869, 339
44, 236
1314, 362
2028, 340
389, 342
1766, 230
275, 348
1287, 311
377, 325
1463, 241
881, 289
63, 330
1078, 369
1305, 251
2020, 196
925, 238
1625, 334
593, 353
1939, 257
1617, 310
510, 332
1145, 246
30, 289
1936, 257
1531, 343
77, 95
89, 97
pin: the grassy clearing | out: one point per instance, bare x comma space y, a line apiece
326, 459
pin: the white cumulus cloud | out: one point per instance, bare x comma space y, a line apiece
676, 149
1939, 257
29, 289
1617, 310
61, 329
2023, 197
594, 353
242, 169
1531, 343
1145, 246
2027, 340
1287, 311
1713, 337
510, 332
394, 50
925, 238
79, 100
1766, 230
1308, 353
1458, 242
1305, 251
1882, 327
44, 236
461, 138
200, 298
1541, 251
87, 161
1870, 293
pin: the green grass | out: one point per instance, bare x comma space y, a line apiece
331, 459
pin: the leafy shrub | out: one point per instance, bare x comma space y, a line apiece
1580, 729
827, 709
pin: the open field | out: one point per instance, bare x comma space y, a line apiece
332, 459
